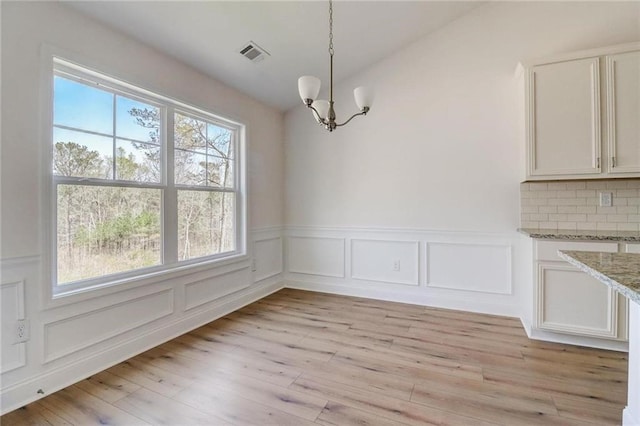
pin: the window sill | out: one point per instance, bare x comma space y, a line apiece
60, 297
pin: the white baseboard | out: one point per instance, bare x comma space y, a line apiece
527, 326
410, 295
22, 393
629, 418
568, 339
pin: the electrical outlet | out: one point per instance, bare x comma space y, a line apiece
22, 331
254, 265
606, 199
396, 265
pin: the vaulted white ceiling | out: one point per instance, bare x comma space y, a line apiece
209, 35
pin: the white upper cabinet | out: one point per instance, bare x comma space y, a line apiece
623, 112
582, 115
565, 118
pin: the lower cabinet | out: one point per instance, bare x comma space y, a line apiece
569, 301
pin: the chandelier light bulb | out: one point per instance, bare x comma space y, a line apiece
309, 87
364, 97
322, 106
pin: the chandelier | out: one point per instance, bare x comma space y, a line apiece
309, 87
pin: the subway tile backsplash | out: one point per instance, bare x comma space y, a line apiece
576, 205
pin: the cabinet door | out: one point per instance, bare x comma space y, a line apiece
570, 301
564, 118
623, 112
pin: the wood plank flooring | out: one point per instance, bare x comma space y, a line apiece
301, 358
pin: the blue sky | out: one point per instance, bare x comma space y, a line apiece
89, 108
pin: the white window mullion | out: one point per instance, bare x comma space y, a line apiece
239, 186
170, 200
53, 243
113, 96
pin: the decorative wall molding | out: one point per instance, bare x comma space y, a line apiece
177, 275
401, 233
369, 266
13, 262
207, 290
373, 260
12, 303
17, 287
315, 255
19, 275
75, 333
258, 233
632, 248
267, 257
478, 267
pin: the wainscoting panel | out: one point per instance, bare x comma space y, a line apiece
470, 271
267, 255
394, 262
12, 310
200, 292
78, 332
322, 256
632, 248
472, 267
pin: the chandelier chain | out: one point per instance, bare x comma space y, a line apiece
323, 110
330, 28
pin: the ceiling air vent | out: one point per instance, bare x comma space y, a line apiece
253, 52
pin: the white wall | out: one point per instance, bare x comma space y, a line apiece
82, 334
442, 150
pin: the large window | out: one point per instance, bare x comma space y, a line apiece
141, 182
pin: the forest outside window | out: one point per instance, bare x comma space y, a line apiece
141, 183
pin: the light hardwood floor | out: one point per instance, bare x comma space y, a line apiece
301, 358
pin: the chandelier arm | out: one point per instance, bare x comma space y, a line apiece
315, 112
351, 118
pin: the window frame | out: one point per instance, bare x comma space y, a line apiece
59, 66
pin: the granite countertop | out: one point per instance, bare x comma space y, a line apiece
620, 271
581, 235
